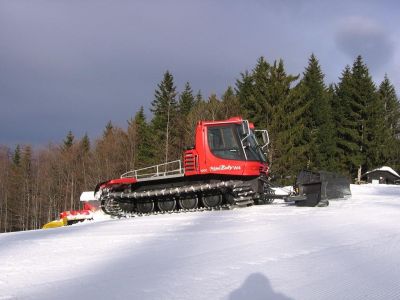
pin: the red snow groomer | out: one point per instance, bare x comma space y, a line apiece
227, 166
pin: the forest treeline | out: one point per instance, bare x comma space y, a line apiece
349, 127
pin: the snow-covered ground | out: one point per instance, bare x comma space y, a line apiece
349, 250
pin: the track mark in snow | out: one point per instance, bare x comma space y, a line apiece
349, 250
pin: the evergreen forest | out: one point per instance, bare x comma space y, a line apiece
348, 127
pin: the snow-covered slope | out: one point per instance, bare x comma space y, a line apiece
349, 250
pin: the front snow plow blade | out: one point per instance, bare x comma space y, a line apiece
316, 188
55, 224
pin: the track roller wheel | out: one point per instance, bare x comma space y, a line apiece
145, 207
229, 199
127, 207
189, 203
211, 200
166, 205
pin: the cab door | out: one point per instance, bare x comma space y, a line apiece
224, 151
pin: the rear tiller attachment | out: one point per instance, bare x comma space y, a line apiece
316, 188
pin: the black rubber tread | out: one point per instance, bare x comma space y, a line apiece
145, 207
167, 205
212, 197
196, 197
127, 207
111, 207
188, 203
211, 201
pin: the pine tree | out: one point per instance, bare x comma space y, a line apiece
253, 92
68, 141
17, 156
230, 104
198, 112
186, 100
319, 123
26, 160
356, 100
363, 98
261, 80
214, 108
182, 129
164, 108
280, 125
108, 129
346, 132
85, 143
387, 94
289, 144
326, 138
143, 143
391, 103
198, 98
377, 134
278, 90
279, 85
164, 104
264, 95
245, 92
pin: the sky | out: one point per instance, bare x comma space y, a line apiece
77, 64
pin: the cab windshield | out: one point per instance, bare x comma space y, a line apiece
226, 142
253, 149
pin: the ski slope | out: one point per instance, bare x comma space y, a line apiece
349, 250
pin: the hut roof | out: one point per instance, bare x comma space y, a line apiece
384, 168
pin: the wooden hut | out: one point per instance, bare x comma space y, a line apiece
383, 175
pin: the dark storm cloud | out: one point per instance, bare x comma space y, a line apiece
361, 36
74, 65
77, 64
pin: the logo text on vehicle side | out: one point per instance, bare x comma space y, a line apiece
225, 168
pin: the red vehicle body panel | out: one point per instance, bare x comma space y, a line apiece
75, 213
201, 161
118, 181
122, 181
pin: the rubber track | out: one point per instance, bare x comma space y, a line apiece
119, 213
242, 194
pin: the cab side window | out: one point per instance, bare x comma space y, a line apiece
223, 142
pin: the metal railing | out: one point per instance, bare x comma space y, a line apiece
160, 170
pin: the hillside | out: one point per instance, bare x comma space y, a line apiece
349, 250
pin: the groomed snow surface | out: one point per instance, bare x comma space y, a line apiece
349, 250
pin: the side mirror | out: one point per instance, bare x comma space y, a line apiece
245, 128
265, 137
